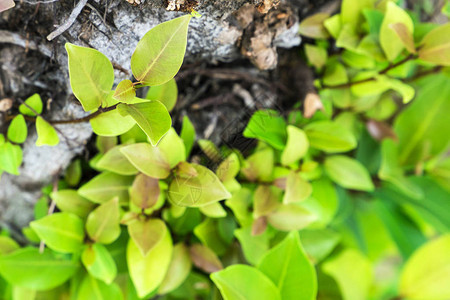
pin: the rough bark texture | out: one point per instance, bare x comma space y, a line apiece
228, 32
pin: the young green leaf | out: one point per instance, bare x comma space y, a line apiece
148, 159
145, 191
296, 146
259, 166
31, 106
351, 11
152, 117
317, 56
179, 269
7, 245
353, 273
427, 272
91, 75
187, 134
46, 133
173, 148
160, 53
115, 161
111, 123
99, 263
266, 199
102, 224
17, 130
253, 247
62, 232
335, 74
147, 272
147, 234
228, 168
37, 271
297, 188
333, 25
105, 186
330, 137
435, 46
10, 158
391, 43
313, 26
245, 282
102, 291
267, 126
200, 190
71, 202
166, 93
213, 210
290, 269
348, 173
125, 91
405, 36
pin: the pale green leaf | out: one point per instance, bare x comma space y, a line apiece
266, 199
93, 289
259, 166
351, 11
91, 75
145, 191
291, 217
146, 234
333, 25
213, 210
166, 93
313, 26
173, 148
204, 258
111, 123
7, 245
32, 105
348, 173
228, 168
178, 271
290, 269
330, 137
62, 232
405, 36
105, 186
148, 159
253, 246
99, 263
435, 46
10, 158
267, 126
102, 224
244, 283
160, 52
297, 188
296, 146
125, 91
115, 161
46, 133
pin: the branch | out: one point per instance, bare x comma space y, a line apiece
382, 72
73, 16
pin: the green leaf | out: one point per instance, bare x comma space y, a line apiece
99, 263
213, 210
125, 91
147, 272
348, 173
323, 202
105, 186
351, 11
111, 123
46, 133
17, 130
389, 40
10, 158
244, 282
296, 146
115, 161
259, 166
266, 199
333, 25
330, 137
73, 173
91, 75
160, 52
267, 126
187, 134
419, 127
318, 244
435, 46
7, 245
30, 269
173, 148
148, 159
357, 61
297, 188
348, 39
289, 268
93, 289
427, 272
291, 217
145, 191
33, 102
207, 232
102, 224
335, 74
179, 269
228, 168
313, 26
199, 190
353, 273
62, 232
253, 246
166, 93
405, 36
204, 258
146, 234
239, 203
152, 117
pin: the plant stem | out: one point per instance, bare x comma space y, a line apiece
382, 72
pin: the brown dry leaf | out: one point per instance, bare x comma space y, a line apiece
312, 104
6, 103
6, 4
259, 226
265, 5
380, 130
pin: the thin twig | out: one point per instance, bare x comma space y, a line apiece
73, 16
382, 72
